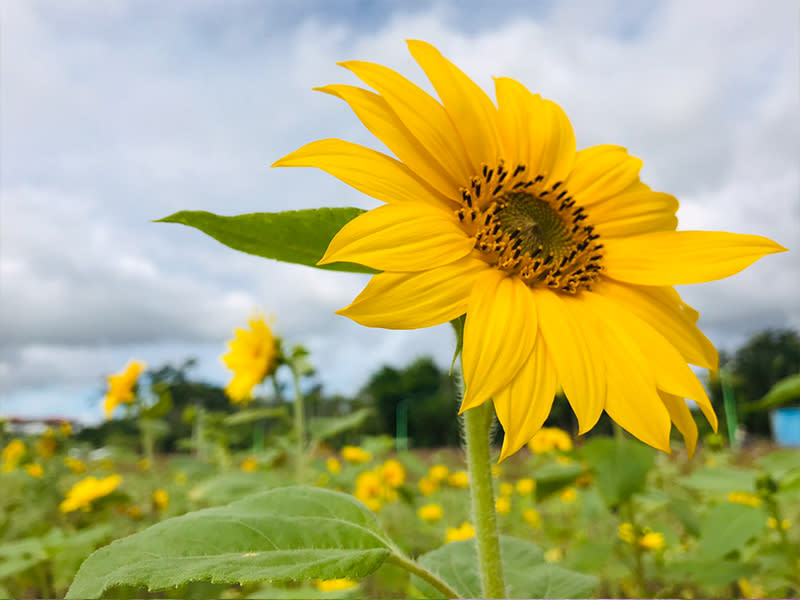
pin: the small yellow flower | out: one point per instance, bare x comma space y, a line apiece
333, 465
456, 534
554, 555
370, 490
525, 486
744, 498
652, 540
47, 444
75, 465
82, 494
34, 470
532, 517
751, 591
568, 495
428, 486
430, 512
438, 472
12, 454
252, 358
548, 439
772, 523
65, 427
505, 489
356, 454
249, 464
459, 479
160, 499
626, 533
120, 387
393, 473
334, 585
502, 505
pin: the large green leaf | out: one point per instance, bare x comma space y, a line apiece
322, 428
526, 573
620, 466
295, 236
728, 526
721, 479
286, 534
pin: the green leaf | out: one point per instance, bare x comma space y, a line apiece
294, 236
458, 327
785, 391
526, 573
721, 479
286, 534
551, 478
709, 571
255, 414
620, 466
322, 428
728, 526
227, 487
779, 463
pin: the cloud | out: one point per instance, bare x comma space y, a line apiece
119, 114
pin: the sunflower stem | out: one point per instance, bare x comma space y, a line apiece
299, 427
477, 422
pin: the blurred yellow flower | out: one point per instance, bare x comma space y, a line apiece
120, 387
428, 486
744, 498
47, 444
430, 512
652, 540
34, 470
65, 427
502, 505
371, 490
626, 533
393, 473
134, 512
12, 454
456, 534
356, 454
458, 479
548, 439
252, 357
772, 523
751, 591
438, 472
333, 465
525, 486
532, 517
143, 464
568, 495
160, 499
82, 494
249, 464
334, 585
505, 489
554, 555
75, 465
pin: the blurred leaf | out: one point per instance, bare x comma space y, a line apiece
526, 573
255, 414
685, 511
620, 466
323, 428
294, 236
227, 487
162, 405
721, 479
709, 571
779, 463
728, 526
785, 391
286, 534
551, 478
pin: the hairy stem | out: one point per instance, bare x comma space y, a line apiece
423, 573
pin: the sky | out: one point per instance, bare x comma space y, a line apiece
115, 114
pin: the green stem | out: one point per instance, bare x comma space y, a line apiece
477, 422
423, 573
299, 427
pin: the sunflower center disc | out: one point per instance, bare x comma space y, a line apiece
537, 224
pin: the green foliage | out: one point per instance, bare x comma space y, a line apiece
617, 485
551, 478
251, 415
783, 392
323, 428
294, 236
728, 526
285, 534
526, 573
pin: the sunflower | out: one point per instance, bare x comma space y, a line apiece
121, 387
252, 357
563, 261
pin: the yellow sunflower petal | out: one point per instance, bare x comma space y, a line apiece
601, 172
472, 112
666, 258
536, 131
524, 405
416, 300
664, 310
576, 354
499, 334
682, 417
368, 171
672, 374
632, 399
424, 117
635, 213
400, 237
378, 117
